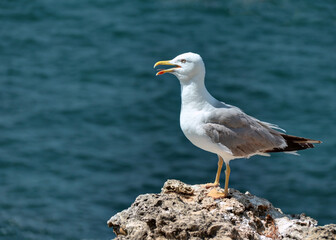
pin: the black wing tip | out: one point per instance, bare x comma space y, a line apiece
295, 143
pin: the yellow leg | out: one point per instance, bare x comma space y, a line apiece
214, 193
227, 176
219, 169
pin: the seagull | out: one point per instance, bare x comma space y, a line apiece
221, 128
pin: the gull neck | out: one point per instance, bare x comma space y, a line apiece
195, 95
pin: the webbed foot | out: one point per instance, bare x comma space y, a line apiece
215, 194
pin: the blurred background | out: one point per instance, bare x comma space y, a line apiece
86, 126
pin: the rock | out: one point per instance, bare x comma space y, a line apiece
184, 211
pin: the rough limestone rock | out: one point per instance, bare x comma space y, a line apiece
184, 211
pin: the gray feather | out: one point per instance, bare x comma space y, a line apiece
242, 134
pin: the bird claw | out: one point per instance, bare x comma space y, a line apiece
211, 185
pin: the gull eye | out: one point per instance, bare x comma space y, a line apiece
183, 61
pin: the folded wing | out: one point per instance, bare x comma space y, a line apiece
245, 135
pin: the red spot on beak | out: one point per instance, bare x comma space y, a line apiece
160, 73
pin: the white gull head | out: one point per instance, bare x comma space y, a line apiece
187, 67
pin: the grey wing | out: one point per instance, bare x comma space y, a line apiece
241, 133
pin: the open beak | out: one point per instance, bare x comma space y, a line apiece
163, 71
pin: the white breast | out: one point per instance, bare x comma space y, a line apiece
196, 104
191, 123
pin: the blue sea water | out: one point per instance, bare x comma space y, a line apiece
86, 126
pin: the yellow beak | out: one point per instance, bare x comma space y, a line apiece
165, 70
